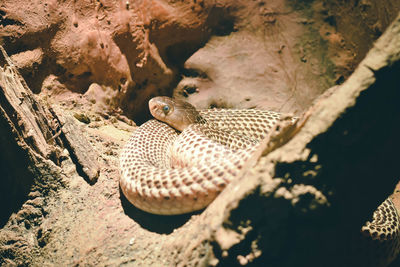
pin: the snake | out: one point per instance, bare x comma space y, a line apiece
180, 161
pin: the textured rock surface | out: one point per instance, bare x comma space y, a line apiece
98, 62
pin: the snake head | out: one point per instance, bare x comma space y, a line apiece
176, 113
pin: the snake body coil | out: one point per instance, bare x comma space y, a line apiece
164, 172
167, 172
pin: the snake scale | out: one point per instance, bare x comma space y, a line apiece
181, 161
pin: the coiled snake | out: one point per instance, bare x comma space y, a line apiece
180, 162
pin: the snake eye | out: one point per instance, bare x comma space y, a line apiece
166, 108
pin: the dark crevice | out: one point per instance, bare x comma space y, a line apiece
364, 143
221, 21
5, 21
15, 178
194, 73
177, 54
259, 215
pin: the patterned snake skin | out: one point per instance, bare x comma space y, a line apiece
164, 172
167, 172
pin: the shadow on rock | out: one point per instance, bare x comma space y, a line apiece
162, 224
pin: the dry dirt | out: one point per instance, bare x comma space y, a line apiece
100, 61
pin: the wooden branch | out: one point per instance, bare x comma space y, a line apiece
81, 151
38, 129
25, 114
